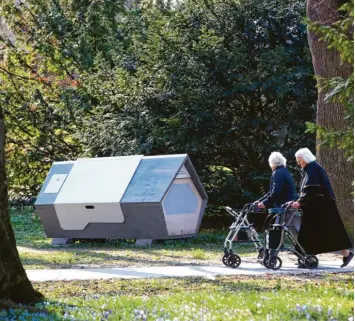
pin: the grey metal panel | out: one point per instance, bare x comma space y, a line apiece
57, 168
195, 178
152, 179
173, 179
98, 180
148, 221
143, 221
48, 219
78, 216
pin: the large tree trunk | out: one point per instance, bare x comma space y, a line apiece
14, 284
327, 64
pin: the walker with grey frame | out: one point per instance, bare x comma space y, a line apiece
279, 231
242, 225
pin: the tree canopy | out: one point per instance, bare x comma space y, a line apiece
226, 82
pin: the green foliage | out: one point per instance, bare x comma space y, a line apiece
28, 227
38, 101
226, 82
220, 185
339, 37
54, 42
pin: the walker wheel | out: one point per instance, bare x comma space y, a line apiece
234, 261
274, 263
225, 259
311, 262
266, 261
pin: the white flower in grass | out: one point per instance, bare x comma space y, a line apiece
258, 305
351, 319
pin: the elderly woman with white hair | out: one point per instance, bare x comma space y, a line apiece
322, 229
282, 186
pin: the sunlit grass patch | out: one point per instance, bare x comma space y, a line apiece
198, 254
28, 228
225, 298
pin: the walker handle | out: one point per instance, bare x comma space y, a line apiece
286, 206
231, 212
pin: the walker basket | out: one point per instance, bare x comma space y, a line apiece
242, 236
257, 219
274, 238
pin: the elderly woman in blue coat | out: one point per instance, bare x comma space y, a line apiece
322, 229
282, 186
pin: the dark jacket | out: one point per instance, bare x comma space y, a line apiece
322, 229
282, 188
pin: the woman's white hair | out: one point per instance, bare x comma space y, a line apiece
306, 155
276, 159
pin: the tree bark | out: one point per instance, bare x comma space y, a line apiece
327, 64
14, 284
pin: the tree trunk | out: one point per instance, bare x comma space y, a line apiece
327, 64
14, 284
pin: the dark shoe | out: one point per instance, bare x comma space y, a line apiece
301, 266
346, 260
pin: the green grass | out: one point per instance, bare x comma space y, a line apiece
324, 297
36, 251
268, 297
199, 254
28, 228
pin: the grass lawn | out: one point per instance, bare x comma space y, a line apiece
263, 297
36, 251
324, 297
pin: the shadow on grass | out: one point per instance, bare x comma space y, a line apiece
38, 312
139, 287
106, 260
90, 255
153, 286
48, 310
